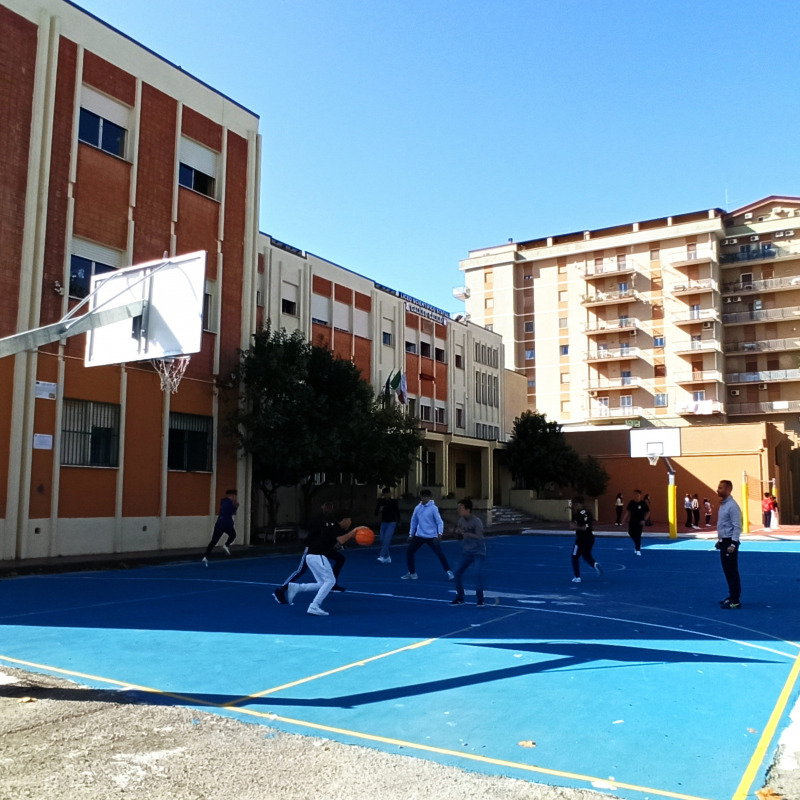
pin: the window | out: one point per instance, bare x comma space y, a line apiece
425, 413
563, 296
661, 400
530, 355
197, 168
626, 401
428, 467
528, 327
81, 271
459, 416
626, 377
90, 434
496, 392
438, 354
477, 387
622, 287
565, 406
440, 416
459, 361
320, 309
563, 322
208, 311
528, 277
102, 133
565, 377
489, 302
658, 341
487, 276
425, 349
531, 383
288, 307
660, 371
411, 347
562, 269
189, 444
655, 254
699, 396
484, 398
461, 475
564, 349
691, 251
387, 338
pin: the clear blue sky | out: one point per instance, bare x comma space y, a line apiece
400, 134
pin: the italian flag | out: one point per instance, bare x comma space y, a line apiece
400, 386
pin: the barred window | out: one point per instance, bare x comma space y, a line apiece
189, 446
90, 434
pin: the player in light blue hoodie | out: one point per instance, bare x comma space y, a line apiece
426, 528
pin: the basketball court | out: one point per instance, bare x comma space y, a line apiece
634, 683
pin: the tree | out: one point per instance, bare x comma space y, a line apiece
538, 453
591, 477
303, 411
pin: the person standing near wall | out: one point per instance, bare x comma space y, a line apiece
389, 512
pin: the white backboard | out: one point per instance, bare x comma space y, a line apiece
655, 441
172, 322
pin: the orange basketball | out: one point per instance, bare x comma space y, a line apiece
364, 535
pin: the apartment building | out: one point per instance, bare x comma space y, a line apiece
453, 368
677, 321
113, 156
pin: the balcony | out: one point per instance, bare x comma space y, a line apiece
769, 285
700, 407
762, 346
604, 384
765, 315
612, 354
691, 259
621, 412
775, 407
698, 346
759, 254
692, 287
698, 376
764, 376
605, 298
695, 315
609, 266
609, 325
461, 292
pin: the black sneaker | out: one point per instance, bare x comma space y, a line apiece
457, 601
726, 600
338, 588
480, 604
280, 595
730, 604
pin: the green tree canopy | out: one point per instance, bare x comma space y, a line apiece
304, 411
591, 477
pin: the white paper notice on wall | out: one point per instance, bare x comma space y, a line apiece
46, 390
42, 441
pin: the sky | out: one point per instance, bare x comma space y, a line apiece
398, 135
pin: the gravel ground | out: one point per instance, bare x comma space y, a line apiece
61, 741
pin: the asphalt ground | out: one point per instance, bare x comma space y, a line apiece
634, 684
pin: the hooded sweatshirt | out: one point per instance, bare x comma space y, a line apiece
426, 522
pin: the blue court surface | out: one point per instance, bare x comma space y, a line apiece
635, 683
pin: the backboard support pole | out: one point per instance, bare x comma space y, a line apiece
672, 500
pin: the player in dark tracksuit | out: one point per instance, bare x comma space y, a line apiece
584, 539
635, 515
224, 524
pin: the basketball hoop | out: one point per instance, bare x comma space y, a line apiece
653, 459
170, 371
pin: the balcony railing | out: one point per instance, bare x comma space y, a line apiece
699, 407
695, 345
625, 295
611, 383
612, 353
609, 266
688, 287
764, 376
461, 292
689, 259
762, 345
775, 407
603, 412
759, 253
696, 315
740, 287
607, 325
698, 376
790, 312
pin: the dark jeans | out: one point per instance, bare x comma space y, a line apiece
478, 559
689, 517
414, 544
582, 549
635, 532
219, 532
730, 566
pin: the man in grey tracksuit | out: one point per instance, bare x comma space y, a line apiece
426, 528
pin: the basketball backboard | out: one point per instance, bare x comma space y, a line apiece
650, 442
171, 324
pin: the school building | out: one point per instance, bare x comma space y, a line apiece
686, 321
113, 156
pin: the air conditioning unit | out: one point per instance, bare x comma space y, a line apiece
748, 216
748, 287
707, 326
754, 238
727, 300
733, 241
779, 234
762, 386
592, 393
632, 334
788, 233
736, 299
734, 393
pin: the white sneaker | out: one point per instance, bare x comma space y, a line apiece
387, 560
226, 549
291, 593
576, 580
409, 576
381, 559
637, 552
205, 561
597, 568
450, 575
317, 611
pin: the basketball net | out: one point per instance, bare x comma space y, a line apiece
653, 459
171, 371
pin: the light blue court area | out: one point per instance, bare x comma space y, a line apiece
634, 683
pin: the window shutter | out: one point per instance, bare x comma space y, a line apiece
98, 253
105, 107
197, 157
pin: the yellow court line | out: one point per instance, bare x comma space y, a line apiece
196, 701
360, 663
769, 731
